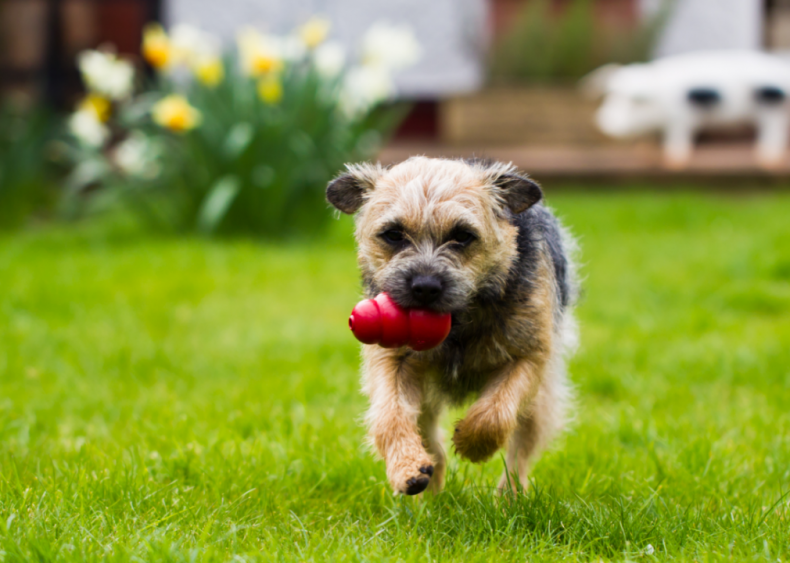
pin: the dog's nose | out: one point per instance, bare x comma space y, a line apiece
426, 289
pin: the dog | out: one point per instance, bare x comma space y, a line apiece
470, 238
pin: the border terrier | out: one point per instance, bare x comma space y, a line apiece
470, 238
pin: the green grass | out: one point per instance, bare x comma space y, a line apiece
180, 400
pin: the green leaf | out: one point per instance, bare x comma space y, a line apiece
217, 203
238, 139
263, 176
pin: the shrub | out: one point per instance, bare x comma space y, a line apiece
26, 182
541, 46
243, 143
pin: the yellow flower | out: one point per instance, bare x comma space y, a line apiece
157, 49
260, 54
270, 89
99, 106
314, 32
264, 63
210, 71
175, 113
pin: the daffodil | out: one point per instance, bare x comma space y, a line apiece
138, 156
106, 74
157, 48
87, 129
265, 63
270, 89
209, 71
185, 46
192, 45
329, 59
394, 47
260, 54
98, 105
364, 87
174, 112
314, 32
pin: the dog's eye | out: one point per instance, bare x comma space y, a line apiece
462, 237
393, 236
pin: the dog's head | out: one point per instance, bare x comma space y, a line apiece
435, 232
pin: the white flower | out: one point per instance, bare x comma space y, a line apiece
106, 74
262, 53
314, 32
391, 46
364, 87
88, 129
329, 59
649, 550
137, 156
192, 46
293, 48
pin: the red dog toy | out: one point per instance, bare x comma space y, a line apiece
382, 321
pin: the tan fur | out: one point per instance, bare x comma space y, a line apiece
396, 394
431, 434
522, 388
431, 201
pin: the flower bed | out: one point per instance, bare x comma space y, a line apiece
233, 142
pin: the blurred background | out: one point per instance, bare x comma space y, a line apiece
552, 85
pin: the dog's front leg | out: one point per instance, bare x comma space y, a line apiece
493, 417
395, 391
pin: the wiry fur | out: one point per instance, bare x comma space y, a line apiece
510, 292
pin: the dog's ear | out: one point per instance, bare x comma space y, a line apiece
348, 191
518, 191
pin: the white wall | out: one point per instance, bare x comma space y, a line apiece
697, 25
452, 32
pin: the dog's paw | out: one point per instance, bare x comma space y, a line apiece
411, 477
477, 437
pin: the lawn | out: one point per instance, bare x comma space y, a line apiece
178, 400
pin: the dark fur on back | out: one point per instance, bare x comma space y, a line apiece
489, 312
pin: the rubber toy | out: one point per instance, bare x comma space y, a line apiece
382, 321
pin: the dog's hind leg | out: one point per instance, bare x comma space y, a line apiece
428, 423
522, 450
541, 420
